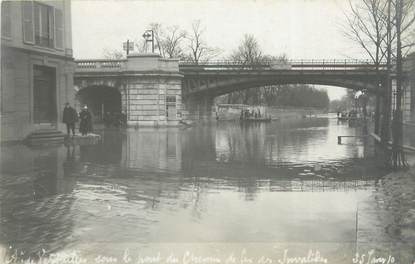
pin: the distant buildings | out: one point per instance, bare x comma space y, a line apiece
36, 66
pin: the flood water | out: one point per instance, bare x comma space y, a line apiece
211, 189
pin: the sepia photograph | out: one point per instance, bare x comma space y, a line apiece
207, 132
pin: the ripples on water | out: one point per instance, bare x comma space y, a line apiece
286, 181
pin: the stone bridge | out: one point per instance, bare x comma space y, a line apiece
158, 91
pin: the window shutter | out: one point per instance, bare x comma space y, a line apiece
58, 29
51, 24
27, 15
36, 11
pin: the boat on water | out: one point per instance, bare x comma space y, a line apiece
348, 116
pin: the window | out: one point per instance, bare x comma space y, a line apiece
44, 25
27, 16
6, 23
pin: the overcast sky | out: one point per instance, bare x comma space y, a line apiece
301, 29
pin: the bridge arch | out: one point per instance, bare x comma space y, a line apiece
100, 99
222, 87
145, 95
199, 96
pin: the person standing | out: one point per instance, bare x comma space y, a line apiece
107, 119
70, 117
86, 121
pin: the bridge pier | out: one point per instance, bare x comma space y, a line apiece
153, 91
150, 87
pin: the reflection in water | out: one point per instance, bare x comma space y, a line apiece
136, 185
293, 141
35, 200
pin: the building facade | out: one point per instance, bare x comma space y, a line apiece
145, 87
36, 66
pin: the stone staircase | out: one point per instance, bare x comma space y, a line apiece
45, 137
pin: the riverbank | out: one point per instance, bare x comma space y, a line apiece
386, 221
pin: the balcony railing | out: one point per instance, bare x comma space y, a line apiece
99, 65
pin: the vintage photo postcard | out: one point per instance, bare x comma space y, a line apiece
207, 132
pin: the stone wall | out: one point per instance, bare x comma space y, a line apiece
19, 54
17, 91
146, 99
150, 88
153, 91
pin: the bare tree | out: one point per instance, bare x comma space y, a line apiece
402, 26
384, 28
141, 45
198, 48
248, 51
365, 26
168, 41
369, 20
172, 42
113, 54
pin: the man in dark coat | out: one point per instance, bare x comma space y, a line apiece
70, 117
86, 121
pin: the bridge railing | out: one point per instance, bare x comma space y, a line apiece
99, 65
333, 64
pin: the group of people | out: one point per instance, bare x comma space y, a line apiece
71, 117
115, 119
245, 114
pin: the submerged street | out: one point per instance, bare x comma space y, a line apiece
207, 132
212, 189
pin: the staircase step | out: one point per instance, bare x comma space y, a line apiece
46, 132
46, 140
45, 136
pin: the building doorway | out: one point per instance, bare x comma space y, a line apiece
44, 94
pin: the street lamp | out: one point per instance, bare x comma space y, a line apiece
149, 37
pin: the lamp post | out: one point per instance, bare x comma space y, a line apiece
149, 37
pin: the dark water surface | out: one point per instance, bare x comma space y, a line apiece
286, 183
